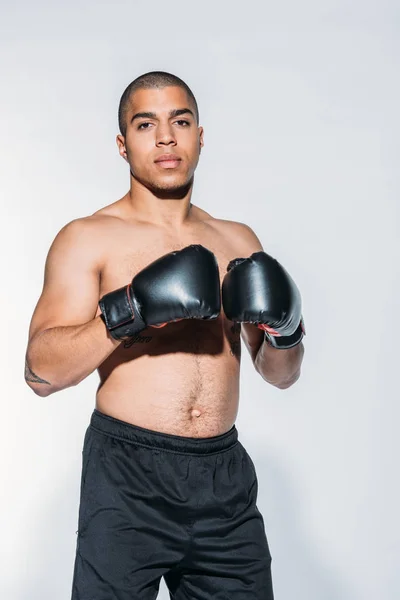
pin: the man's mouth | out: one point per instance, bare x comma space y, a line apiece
168, 161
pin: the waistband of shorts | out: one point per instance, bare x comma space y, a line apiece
163, 441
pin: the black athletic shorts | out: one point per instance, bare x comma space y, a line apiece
158, 505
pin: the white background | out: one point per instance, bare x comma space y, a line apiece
300, 102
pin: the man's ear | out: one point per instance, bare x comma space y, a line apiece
121, 146
201, 137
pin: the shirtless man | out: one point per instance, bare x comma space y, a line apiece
134, 291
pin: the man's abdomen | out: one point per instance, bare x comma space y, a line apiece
193, 395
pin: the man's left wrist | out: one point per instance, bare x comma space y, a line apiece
285, 342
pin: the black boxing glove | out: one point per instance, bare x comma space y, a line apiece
183, 284
259, 290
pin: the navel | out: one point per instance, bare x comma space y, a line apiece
195, 413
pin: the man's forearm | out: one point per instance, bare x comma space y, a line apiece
61, 357
279, 367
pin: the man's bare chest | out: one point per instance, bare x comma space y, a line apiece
124, 257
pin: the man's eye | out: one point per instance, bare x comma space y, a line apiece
144, 125
182, 122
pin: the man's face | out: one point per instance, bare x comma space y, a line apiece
162, 142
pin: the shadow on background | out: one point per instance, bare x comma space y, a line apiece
297, 572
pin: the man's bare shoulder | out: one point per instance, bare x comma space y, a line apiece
85, 237
116, 210
245, 240
92, 227
225, 226
83, 229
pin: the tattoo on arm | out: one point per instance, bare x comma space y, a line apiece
138, 339
32, 377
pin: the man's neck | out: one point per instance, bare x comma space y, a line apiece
163, 209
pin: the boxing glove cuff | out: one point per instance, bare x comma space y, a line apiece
285, 342
120, 314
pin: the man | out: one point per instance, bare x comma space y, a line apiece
134, 290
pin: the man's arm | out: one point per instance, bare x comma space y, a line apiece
280, 368
67, 341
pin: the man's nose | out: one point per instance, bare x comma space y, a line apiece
165, 135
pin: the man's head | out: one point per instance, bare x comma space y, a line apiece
159, 120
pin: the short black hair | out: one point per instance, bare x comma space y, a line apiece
153, 79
